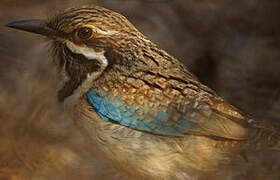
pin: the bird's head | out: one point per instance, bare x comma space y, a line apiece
86, 41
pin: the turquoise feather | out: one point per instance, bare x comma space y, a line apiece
112, 109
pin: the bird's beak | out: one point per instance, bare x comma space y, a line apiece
37, 26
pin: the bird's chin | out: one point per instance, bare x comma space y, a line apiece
63, 80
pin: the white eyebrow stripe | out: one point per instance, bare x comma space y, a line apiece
99, 31
106, 32
89, 53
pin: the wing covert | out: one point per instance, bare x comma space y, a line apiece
204, 120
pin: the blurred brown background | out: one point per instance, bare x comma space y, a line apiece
232, 46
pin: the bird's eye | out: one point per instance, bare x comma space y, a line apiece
85, 33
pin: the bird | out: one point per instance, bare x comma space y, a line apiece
144, 111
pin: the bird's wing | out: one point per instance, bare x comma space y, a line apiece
220, 120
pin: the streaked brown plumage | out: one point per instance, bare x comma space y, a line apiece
121, 62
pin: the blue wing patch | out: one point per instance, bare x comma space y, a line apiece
112, 109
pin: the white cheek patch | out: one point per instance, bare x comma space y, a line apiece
89, 53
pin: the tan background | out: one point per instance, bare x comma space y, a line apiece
232, 46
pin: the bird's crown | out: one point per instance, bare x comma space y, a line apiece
100, 20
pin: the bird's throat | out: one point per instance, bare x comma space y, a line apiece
80, 63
